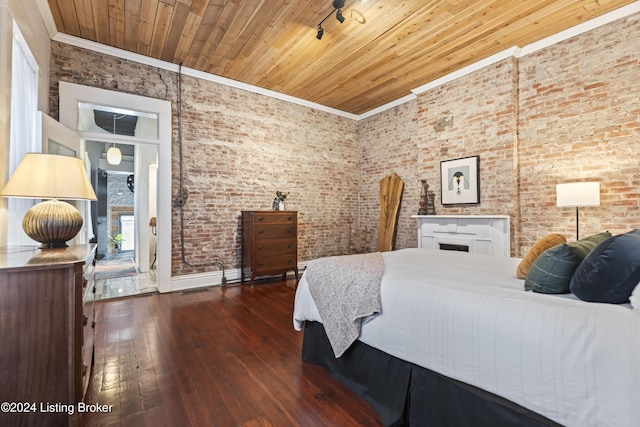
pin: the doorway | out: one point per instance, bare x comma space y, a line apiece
126, 194
126, 228
73, 96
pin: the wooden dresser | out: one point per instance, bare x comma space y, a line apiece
46, 333
269, 243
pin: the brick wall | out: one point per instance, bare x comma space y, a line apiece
239, 148
580, 120
120, 201
568, 112
405, 140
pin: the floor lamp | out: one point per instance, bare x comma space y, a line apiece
578, 194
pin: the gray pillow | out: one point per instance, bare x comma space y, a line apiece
551, 272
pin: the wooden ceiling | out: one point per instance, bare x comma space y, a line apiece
382, 50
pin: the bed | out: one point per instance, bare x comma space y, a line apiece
458, 341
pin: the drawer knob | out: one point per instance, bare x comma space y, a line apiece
85, 320
261, 264
260, 218
289, 261
84, 369
260, 231
261, 248
290, 218
288, 230
289, 246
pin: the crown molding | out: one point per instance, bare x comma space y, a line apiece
515, 52
146, 60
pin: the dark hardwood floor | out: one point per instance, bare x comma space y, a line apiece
222, 357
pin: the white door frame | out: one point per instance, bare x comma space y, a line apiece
71, 94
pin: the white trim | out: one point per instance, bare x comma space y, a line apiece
387, 106
507, 53
518, 52
214, 278
71, 94
146, 60
515, 51
202, 280
47, 17
592, 24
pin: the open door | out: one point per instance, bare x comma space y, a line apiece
390, 195
58, 139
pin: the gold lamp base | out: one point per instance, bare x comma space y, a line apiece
52, 223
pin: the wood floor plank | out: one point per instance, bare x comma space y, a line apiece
228, 356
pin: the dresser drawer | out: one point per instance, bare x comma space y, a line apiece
275, 246
275, 218
275, 263
274, 231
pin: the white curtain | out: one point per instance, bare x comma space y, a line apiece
22, 130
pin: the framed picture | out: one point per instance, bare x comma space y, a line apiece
460, 181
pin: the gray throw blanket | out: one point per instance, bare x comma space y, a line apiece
345, 289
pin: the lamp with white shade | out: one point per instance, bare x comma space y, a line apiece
49, 176
578, 194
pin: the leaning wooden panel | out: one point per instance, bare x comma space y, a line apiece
390, 195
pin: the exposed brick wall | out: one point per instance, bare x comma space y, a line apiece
404, 140
239, 148
580, 120
390, 142
568, 112
120, 201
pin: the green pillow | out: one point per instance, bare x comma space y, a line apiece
551, 272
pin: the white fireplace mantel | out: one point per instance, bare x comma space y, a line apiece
487, 234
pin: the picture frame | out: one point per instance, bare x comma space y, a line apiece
460, 181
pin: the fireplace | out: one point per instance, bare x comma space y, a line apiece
486, 234
453, 247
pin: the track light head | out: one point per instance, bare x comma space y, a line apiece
337, 8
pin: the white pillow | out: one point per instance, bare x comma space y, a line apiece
635, 298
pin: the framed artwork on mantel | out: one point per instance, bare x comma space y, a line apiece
460, 181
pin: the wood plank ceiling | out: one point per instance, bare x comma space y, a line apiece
382, 50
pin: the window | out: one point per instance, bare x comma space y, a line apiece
22, 129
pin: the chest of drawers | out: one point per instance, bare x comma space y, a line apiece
46, 332
269, 243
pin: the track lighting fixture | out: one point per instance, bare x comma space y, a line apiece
337, 7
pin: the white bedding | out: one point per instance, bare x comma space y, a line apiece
468, 317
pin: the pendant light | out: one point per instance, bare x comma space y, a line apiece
114, 156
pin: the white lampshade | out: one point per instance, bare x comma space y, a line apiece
114, 156
49, 176
576, 194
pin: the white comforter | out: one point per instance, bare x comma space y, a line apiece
468, 317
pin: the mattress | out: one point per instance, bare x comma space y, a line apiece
467, 316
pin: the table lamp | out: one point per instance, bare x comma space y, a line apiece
577, 194
49, 176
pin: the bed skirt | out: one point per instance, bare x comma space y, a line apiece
404, 394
